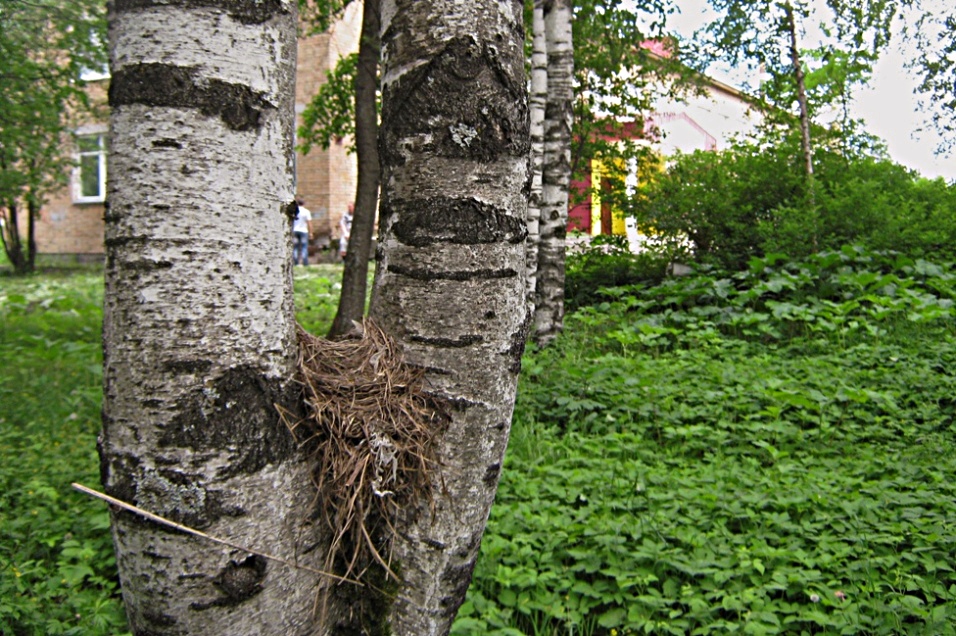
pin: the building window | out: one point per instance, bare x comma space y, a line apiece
90, 182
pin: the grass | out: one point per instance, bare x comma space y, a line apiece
760, 453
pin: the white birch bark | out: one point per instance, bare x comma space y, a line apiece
450, 281
199, 339
791, 26
538, 101
556, 172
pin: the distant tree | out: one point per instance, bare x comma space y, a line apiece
45, 48
936, 67
538, 101
766, 33
555, 171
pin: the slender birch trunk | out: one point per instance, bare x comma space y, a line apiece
199, 340
355, 273
538, 102
791, 26
556, 172
450, 282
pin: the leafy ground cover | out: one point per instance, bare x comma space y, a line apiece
761, 453
765, 452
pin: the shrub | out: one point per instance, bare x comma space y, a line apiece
753, 199
607, 262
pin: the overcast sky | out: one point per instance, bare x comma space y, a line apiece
889, 106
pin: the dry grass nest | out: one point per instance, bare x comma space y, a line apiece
372, 428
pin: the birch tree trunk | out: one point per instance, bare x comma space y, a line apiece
538, 101
199, 341
791, 26
450, 282
355, 273
556, 172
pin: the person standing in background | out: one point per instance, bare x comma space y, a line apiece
301, 233
345, 227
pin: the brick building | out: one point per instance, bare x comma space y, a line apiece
71, 221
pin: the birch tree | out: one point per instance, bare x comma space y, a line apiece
199, 340
538, 101
556, 171
450, 281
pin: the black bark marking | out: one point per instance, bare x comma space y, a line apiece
238, 581
164, 85
491, 475
449, 343
117, 472
423, 222
137, 243
138, 630
460, 404
236, 412
456, 579
518, 340
158, 619
244, 11
187, 366
433, 543
145, 265
166, 143
460, 275
464, 100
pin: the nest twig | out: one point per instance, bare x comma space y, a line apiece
373, 429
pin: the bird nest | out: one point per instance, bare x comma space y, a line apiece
372, 428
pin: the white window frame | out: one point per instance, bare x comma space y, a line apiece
100, 154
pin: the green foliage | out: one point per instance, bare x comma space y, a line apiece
764, 453
607, 261
46, 46
936, 65
57, 573
726, 207
330, 116
320, 15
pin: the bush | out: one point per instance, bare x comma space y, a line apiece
753, 199
607, 262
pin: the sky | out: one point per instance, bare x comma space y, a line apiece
889, 105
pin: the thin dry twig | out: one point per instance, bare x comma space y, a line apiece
197, 533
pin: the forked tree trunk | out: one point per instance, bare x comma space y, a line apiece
450, 282
355, 273
538, 102
556, 172
199, 340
